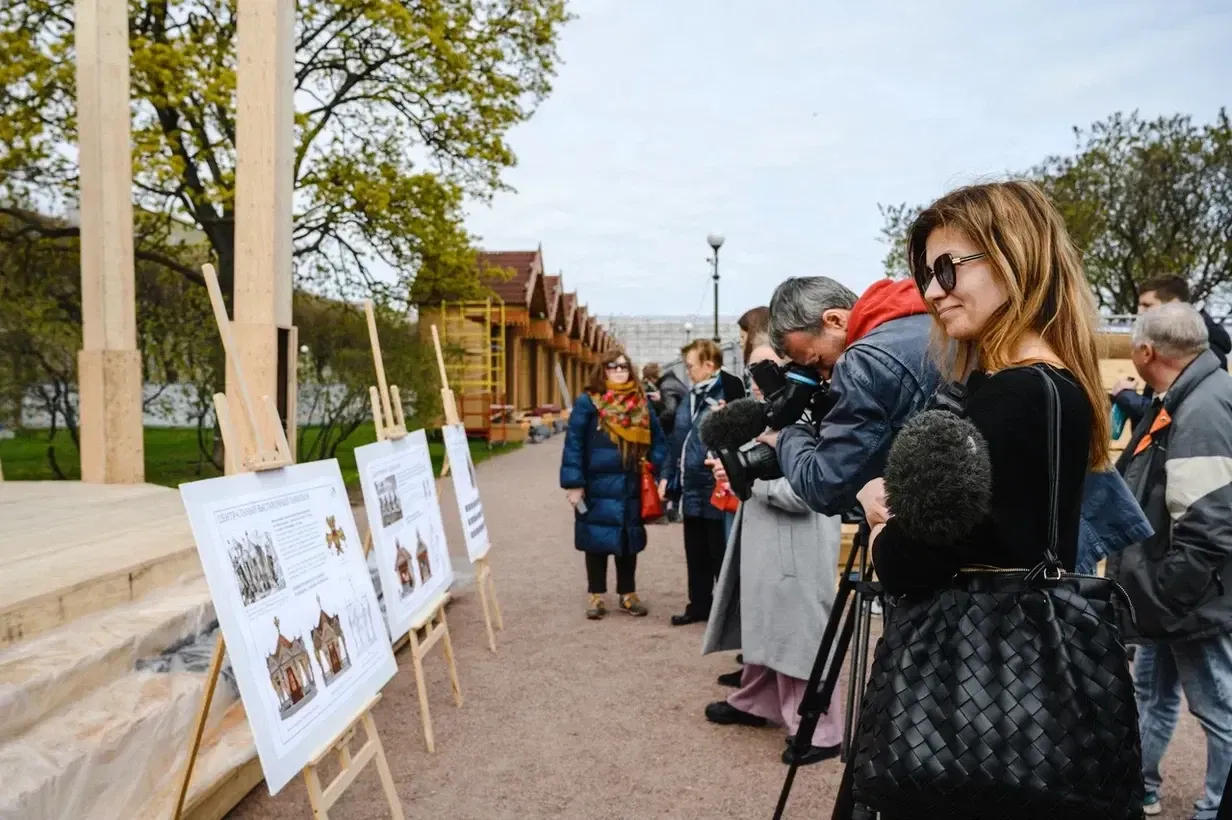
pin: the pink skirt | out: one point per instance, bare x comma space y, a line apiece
776, 697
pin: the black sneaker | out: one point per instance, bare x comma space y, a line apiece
731, 679
815, 754
724, 713
685, 618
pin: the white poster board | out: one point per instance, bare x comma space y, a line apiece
286, 570
408, 536
466, 489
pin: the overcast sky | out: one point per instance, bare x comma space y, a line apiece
783, 123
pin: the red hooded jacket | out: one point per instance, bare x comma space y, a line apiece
884, 301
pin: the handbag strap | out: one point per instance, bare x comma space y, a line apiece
1053, 421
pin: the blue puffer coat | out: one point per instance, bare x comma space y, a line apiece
688, 477
613, 521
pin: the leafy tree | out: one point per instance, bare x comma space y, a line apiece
337, 369
40, 329
402, 111
1144, 198
1140, 198
898, 219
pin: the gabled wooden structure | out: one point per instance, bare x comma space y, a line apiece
505, 349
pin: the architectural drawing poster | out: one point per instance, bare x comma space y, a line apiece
286, 570
462, 470
408, 537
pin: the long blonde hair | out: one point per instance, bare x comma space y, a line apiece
1031, 252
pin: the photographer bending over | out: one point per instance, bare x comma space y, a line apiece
874, 350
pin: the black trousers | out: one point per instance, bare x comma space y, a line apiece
596, 573
704, 545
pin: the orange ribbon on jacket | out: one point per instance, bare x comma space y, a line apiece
1161, 421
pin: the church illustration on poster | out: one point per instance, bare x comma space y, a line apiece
421, 556
258, 572
290, 672
329, 644
402, 568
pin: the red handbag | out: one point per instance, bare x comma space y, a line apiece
724, 498
652, 505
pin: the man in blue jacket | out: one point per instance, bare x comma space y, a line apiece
687, 477
874, 351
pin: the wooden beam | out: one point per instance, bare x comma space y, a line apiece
264, 188
109, 364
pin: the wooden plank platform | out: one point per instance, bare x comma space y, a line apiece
68, 549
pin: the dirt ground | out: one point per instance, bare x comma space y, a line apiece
578, 719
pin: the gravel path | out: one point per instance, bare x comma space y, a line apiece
577, 719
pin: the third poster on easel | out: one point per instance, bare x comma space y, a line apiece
408, 536
466, 489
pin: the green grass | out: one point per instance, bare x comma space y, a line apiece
172, 457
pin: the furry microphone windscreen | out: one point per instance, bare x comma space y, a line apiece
733, 425
938, 478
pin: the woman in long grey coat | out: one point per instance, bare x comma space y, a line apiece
774, 595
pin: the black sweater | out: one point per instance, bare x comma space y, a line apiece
1010, 409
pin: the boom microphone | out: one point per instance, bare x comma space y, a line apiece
733, 425
938, 478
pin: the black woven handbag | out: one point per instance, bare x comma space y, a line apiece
1006, 695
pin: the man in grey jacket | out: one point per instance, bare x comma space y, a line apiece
1179, 465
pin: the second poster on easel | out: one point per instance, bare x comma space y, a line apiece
466, 488
408, 536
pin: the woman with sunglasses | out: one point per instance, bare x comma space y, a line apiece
612, 431
1006, 290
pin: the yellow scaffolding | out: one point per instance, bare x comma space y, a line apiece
478, 375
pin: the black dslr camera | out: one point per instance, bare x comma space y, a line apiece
790, 390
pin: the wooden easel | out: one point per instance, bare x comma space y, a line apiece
391, 426
483, 572
257, 457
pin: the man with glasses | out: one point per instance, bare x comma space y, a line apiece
874, 351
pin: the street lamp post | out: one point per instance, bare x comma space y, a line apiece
688, 332
716, 242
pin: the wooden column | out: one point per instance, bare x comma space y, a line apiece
516, 371
265, 150
109, 364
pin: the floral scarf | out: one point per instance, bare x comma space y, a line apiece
625, 416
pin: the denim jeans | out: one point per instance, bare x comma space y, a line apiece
1202, 669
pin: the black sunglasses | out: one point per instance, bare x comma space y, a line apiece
944, 269
617, 366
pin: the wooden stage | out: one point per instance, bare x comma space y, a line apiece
68, 549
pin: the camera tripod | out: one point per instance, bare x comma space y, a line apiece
853, 609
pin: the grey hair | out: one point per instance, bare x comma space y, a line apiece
799, 302
1176, 330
